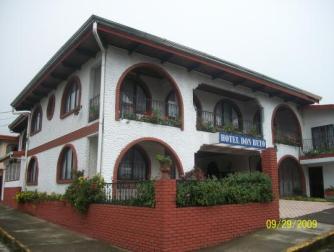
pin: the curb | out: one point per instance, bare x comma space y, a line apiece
311, 244
12, 241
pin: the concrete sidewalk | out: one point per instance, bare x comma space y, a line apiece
39, 235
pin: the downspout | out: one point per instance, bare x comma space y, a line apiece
102, 88
25, 112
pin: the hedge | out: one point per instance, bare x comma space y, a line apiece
237, 188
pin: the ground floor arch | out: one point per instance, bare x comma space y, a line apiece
291, 177
137, 160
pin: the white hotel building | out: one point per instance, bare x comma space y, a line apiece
113, 97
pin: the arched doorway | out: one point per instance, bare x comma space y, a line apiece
291, 177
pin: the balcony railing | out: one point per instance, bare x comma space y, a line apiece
311, 148
287, 137
153, 111
137, 193
94, 108
211, 122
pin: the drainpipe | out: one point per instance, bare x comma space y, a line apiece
102, 88
25, 112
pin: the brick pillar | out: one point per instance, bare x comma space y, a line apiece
9, 196
269, 166
165, 198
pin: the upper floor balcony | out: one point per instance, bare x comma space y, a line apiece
321, 144
148, 93
94, 108
150, 110
286, 128
223, 111
215, 122
316, 148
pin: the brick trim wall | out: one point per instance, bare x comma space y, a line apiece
165, 227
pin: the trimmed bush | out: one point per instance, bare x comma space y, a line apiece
237, 188
36, 197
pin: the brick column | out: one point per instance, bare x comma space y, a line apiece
165, 198
269, 166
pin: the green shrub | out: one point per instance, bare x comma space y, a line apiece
36, 197
235, 189
84, 191
248, 187
145, 195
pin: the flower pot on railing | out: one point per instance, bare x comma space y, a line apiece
329, 193
165, 166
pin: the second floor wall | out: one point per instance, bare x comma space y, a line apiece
189, 84
58, 125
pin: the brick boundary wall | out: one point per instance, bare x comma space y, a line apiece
9, 196
165, 227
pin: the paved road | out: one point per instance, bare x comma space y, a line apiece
281, 239
3, 248
325, 216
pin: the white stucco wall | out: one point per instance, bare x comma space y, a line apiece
57, 127
117, 134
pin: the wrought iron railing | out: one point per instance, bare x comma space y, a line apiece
287, 137
212, 122
153, 111
94, 108
136, 193
312, 148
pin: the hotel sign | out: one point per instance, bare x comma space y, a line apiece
242, 140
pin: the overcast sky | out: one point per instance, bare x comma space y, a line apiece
292, 41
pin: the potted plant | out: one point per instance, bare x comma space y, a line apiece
165, 165
329, 192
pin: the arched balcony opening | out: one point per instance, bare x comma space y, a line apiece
220, 110
146, 92
285, 126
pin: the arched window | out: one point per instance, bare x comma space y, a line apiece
172, 106
36, 120
51, 107
71, 97
227, 114
67, 164
32, 172
135, 97
134, 165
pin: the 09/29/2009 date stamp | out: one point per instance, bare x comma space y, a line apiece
291, 224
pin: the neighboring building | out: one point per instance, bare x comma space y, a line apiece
317, 153
8, 145
110, 107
